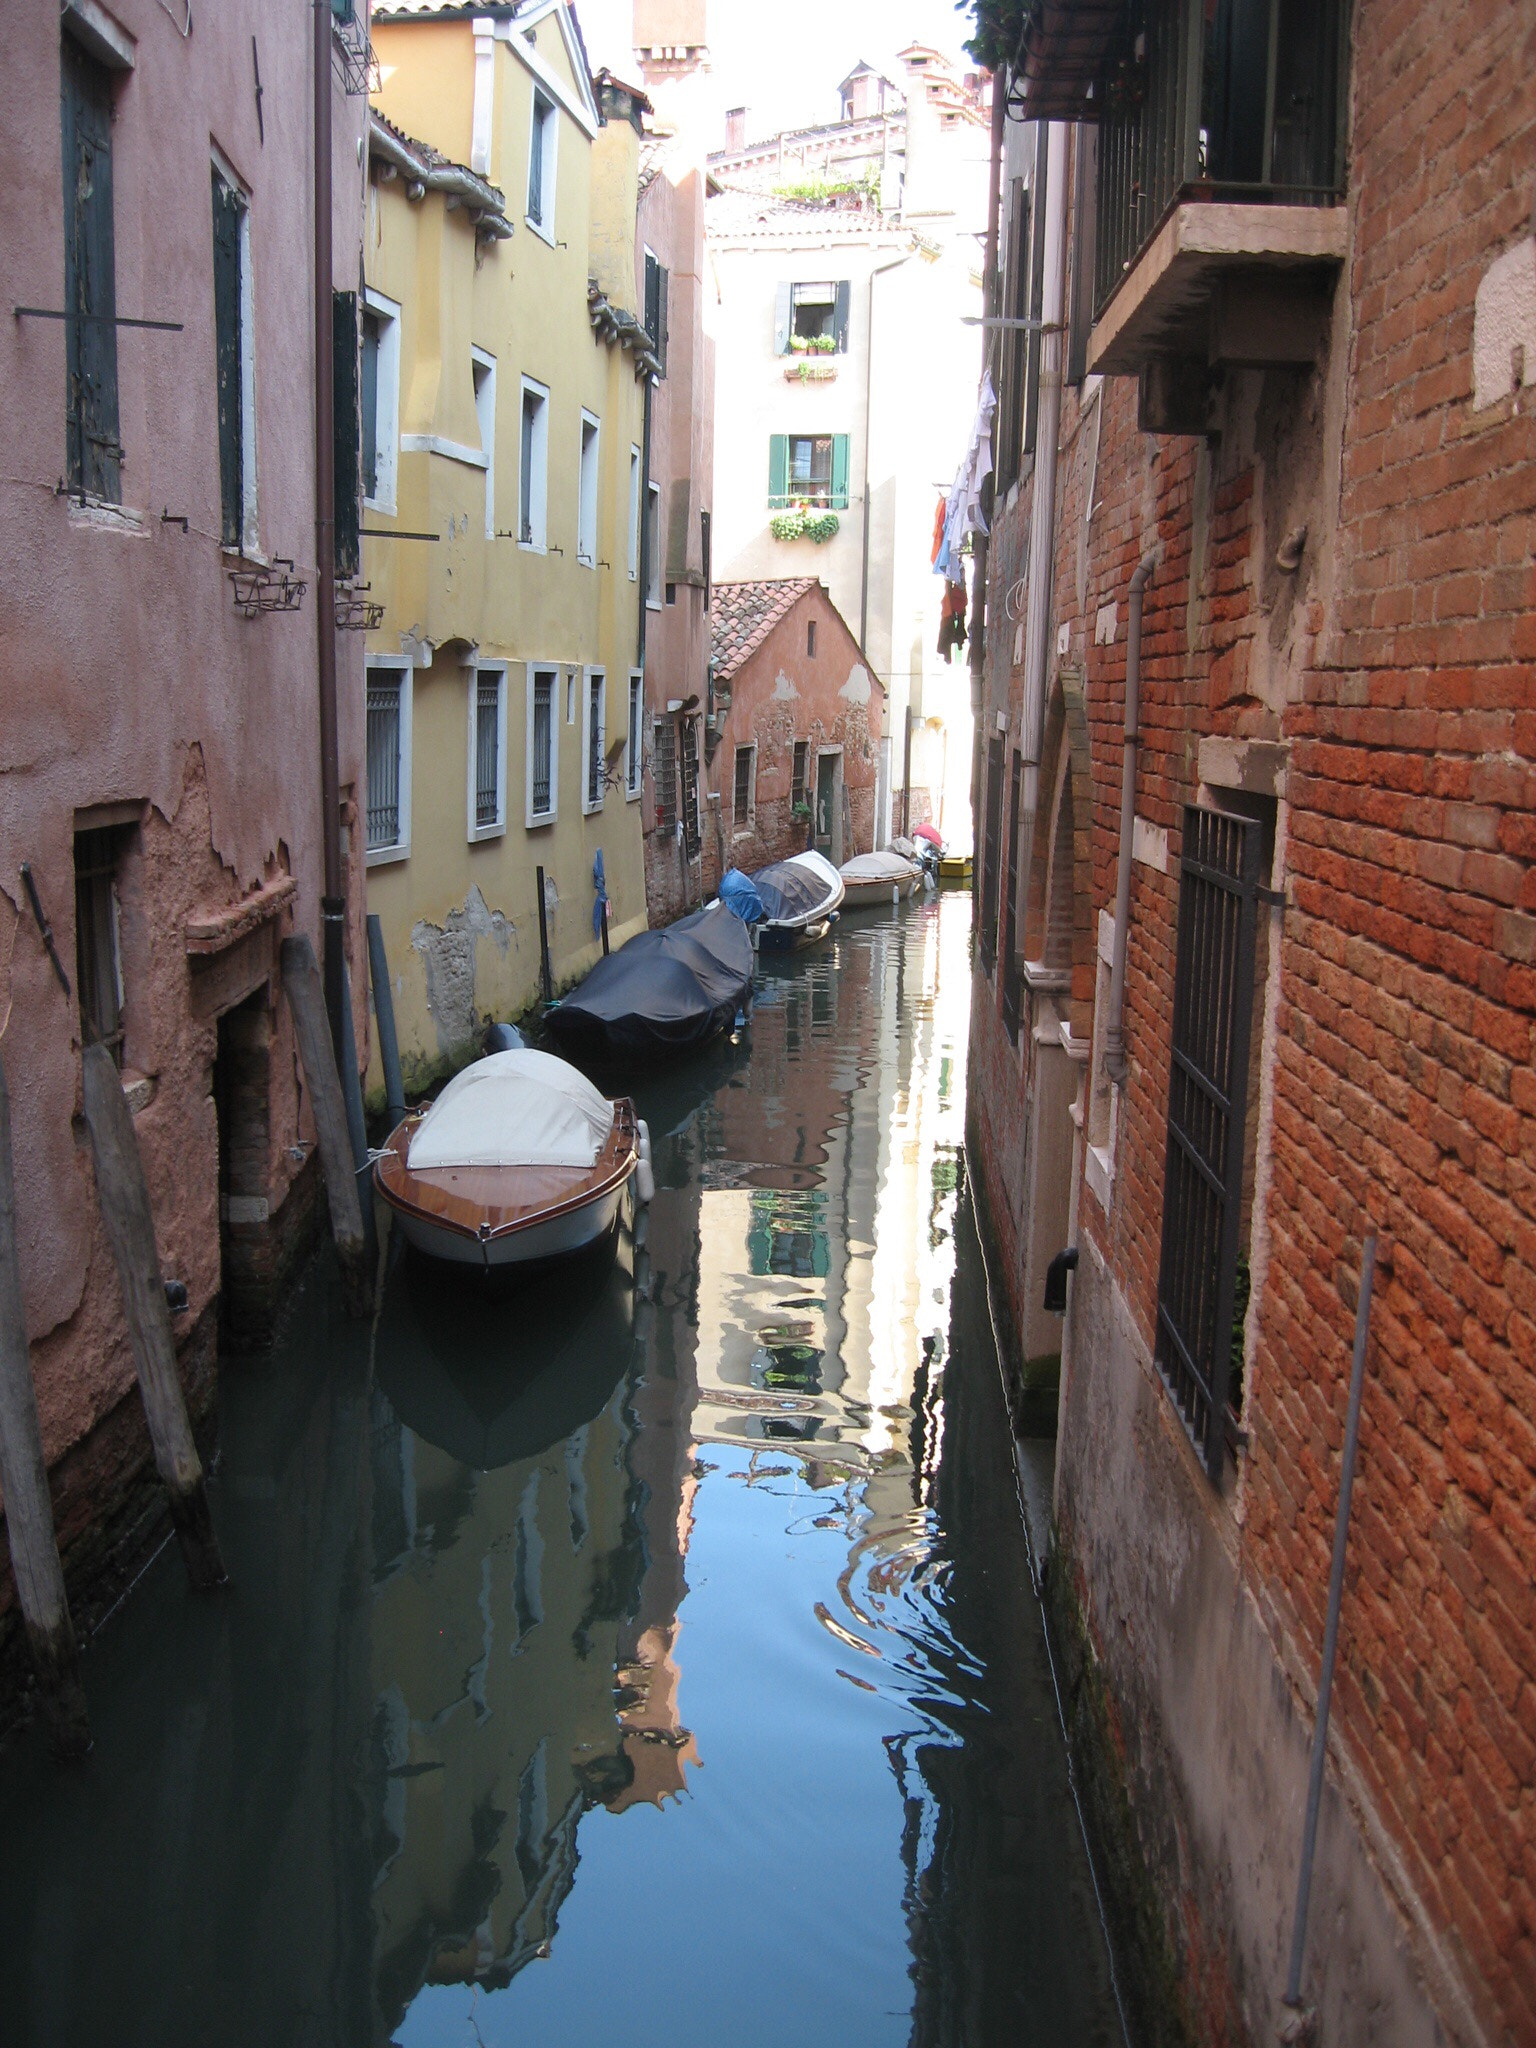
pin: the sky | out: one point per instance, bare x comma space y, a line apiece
783, 62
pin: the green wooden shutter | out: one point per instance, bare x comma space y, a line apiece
345, 427
778, 472
840, 472
840, 316
92, 453
781, 318
227, 210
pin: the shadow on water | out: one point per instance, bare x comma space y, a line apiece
666, 1625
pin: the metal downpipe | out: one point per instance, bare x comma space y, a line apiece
1116, 1065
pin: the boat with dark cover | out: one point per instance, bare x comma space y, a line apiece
663, 992
791, 903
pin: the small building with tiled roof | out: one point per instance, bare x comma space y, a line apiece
793, 735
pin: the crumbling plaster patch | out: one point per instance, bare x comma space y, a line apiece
1504, 326
449, 954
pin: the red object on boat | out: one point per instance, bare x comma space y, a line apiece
928, 832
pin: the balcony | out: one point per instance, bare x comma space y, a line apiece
1219, 221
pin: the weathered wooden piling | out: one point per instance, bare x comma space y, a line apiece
28, 1507
546, 979
384, 1016
130, 1225
301, 983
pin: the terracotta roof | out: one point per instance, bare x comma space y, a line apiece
732, 211
742, 615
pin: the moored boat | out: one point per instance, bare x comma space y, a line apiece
871, 879
520, 1159
789, 904
665, 991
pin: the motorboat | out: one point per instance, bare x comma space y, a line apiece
872, 879
519, 1160
665, 991
789, 904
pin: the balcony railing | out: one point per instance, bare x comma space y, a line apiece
1216, 100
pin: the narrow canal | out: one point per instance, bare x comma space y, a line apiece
652, 1658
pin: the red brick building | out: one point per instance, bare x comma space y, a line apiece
1281, 381
793, 737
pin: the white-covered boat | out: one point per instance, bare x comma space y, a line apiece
519, 1159
870, 879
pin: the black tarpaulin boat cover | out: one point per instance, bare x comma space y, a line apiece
793, 891
664, 989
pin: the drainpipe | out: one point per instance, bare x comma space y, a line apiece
1042, 521
1116, 1065
991, 304
333, 900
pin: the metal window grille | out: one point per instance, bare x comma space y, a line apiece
595, 741
383, 760
800, 776
632, 762
98, 972
1228, 99
688, 768
664, 772
488, 749
1011, 982
991, 855
542, 114
1219, 887
543, 742
743, 800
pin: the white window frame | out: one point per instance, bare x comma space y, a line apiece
485, 415
496, 829
250, 523
634, 749
531, 817
545, 137
590, 806
587, 483
386, 417
381, 856
746, 829
653, 566
538, 469
634, 513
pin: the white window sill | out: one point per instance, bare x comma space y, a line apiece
480, 833
537, 820
653, 604
632, 796
106, 516
590, 810
384, 507
384, 856
250, 558
532, 547
451, 451
1099, 1172
537, 227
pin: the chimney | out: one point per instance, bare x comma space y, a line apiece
735, 127
671, 41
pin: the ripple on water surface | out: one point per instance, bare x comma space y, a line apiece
649, 1654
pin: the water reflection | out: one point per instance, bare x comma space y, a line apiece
669, 1629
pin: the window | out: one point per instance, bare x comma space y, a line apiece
594, 738
533, 476
482, 370
1011, 977
634, 512
632, 744
1013, 341
98, 966
808, 469
93, 456
380, 375
235, 364
810, 637
487, 753
389, 763
543, 744
656, 285
542, 147
742, 811
706, 553
347, 431
986, 944
671, 593
664, 774
653, 546
586, 494
811, 319
799, 787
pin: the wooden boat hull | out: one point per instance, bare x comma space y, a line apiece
871, 895
498, 1216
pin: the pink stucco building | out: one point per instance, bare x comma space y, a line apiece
160, 771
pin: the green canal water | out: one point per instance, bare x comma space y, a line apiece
647, 1656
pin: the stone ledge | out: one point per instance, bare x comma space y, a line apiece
214, 931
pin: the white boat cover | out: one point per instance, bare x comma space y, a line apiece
886, 867
513, 1109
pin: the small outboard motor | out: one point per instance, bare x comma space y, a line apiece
503, 1038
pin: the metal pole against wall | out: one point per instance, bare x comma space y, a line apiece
384, 1015
546, 979
1331, 1629
333, 902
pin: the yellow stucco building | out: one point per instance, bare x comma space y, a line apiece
503, 399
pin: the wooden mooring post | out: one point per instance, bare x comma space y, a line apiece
384, 1017
546, 979
124, 1199
301, 983
28, 1506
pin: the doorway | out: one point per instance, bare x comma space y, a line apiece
829, 808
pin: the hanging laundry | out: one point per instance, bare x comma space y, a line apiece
963, 510
952, 632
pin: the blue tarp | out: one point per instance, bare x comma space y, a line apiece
738, 893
